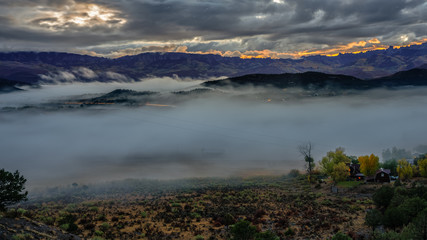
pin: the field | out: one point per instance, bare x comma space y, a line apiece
202, 208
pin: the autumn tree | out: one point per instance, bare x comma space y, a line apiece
419, 158
11, 188
422, 166
404, 169
340, 172
327, 165
305, 150
369, 164
331, 159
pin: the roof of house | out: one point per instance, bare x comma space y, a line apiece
383, 170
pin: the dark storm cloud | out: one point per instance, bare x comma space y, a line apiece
288, 25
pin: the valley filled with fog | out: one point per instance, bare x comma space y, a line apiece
221, 133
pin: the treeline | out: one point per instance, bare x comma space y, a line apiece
400, 162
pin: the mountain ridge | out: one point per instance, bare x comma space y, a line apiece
318, 80
30, 66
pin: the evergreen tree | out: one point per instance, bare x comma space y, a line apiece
11, 188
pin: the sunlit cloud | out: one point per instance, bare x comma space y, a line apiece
352, 47
76, 16
404, 38
279, 1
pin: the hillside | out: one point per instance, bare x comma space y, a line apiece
11, 86
316, 81
205, 207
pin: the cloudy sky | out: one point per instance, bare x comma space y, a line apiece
244, 28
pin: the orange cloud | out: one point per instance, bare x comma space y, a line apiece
374, 40
352, 47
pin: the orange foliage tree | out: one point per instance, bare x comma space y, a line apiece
369, 164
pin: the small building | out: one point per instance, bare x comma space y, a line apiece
354, 169
354, 172
359, 177
382, 175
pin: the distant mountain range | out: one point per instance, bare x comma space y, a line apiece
33, 67
317, 80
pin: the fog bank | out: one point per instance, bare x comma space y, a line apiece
203, 137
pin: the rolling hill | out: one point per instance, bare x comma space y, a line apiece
317, 80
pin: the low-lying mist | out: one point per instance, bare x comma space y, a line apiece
205, 136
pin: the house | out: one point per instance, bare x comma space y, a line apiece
355, 173
354, 169
382, 175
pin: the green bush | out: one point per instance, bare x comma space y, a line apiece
373, 218
21, 211
199, 237
268, 235
340, 236
289, 232
243, 230
47, 220
22, 236
383, 196
411, 207
176, 205
389, 235
394, 218
64, 226
420, 225
228, 219
66, 222
104, 226
94, 209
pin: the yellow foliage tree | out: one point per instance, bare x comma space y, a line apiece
331, 159
369, 164
422, 166
404, 169
340, 172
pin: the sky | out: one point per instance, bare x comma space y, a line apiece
244, 28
